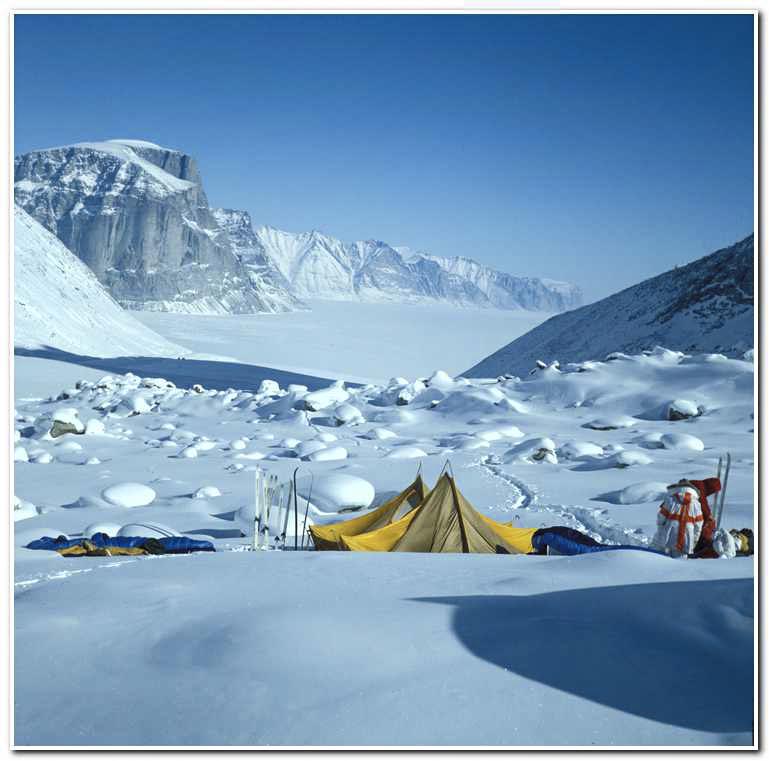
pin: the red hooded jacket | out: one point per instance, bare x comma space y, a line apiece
706, 488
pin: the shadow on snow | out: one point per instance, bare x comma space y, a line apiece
679, 653
184, 372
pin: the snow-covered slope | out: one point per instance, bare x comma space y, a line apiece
59, 303
320, 266
137, 215
267, 278
705, 306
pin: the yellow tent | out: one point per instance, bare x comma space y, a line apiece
444, 522
328, 537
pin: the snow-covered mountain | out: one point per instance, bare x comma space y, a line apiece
320, 266
705, 306
273, 287
59, 303
137, 215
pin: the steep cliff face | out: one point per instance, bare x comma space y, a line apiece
137, 215
705, 306
59, 303
274, 289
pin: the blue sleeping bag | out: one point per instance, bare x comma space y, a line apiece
563, 540
172, 545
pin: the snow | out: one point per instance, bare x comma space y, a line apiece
327, 454
129, 494
317, 265
704, 306
156, 530
123, 150
337, 492
59, 303
207, 651
682, 441
635, 494
245, 648
354, 341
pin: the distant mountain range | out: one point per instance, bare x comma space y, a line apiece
137, 215
705, 306
320, 266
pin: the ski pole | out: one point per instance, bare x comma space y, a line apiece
296, 515
307, 509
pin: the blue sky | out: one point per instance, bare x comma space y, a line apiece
596, 149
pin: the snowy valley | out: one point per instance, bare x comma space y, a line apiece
167, 351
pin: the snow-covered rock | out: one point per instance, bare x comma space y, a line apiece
319, 400
611, 423
66, 420
682, 441
682, 409
347, 414
207, 492
327, 454
155, 530
23, 509
336, 492
538, 449
406, 453
636, 494
129, 494
101, 527
578, 450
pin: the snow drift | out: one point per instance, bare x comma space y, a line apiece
59, 303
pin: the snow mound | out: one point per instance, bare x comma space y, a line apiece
579, 450
326, 455
406, 453
129, 494
682, 441
155, 530
101, 527
636, 494
336, 492
611, 423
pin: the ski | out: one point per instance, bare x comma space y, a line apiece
286, 515
257, 507
722, 495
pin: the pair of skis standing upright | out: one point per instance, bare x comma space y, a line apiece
273, 501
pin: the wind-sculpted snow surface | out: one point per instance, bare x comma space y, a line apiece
59, 303
705, 306
137, 215
528, 638
320, 266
